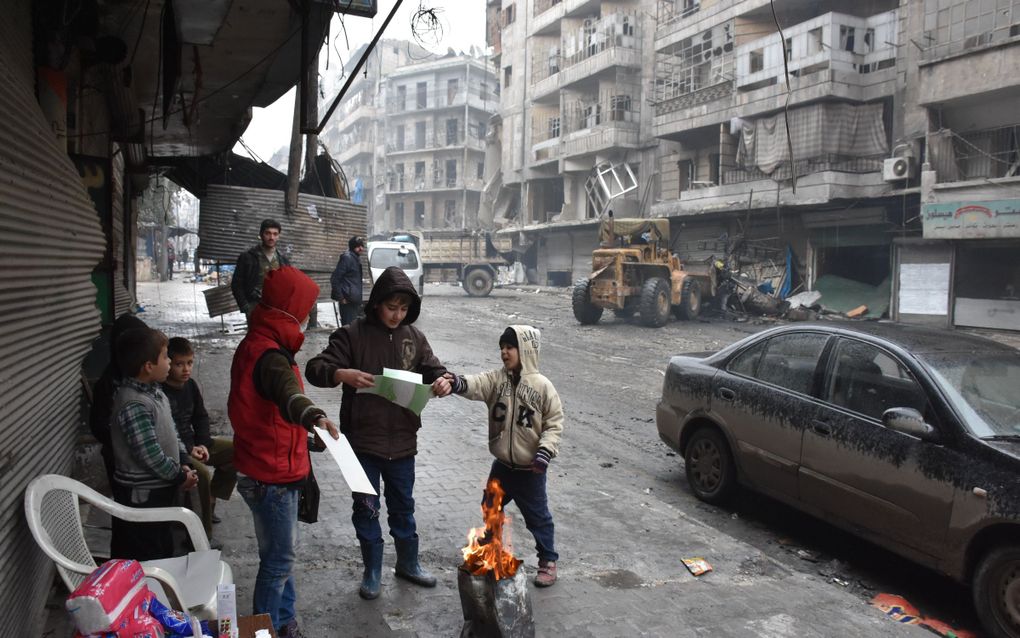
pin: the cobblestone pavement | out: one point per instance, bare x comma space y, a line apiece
624, 517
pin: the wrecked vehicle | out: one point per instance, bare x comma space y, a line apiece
633, 271
908, 437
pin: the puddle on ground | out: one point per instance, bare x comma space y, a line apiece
619, 579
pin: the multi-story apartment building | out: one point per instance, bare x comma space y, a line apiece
739, 86
860, 95
432, 136
963, 97
352, 134
573, 74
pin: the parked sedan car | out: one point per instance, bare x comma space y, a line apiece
906, 436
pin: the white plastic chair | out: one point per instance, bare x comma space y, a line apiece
187, 583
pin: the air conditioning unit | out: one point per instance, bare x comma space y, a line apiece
897, 168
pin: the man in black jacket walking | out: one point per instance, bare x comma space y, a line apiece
345, 283
254, 263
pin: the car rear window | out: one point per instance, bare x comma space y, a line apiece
788, 361
401, 258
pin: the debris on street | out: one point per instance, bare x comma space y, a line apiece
697, 566
899, 609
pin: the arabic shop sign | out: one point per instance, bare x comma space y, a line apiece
972, 220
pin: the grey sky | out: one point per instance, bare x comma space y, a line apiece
463, 23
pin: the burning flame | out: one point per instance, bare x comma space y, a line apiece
485, 552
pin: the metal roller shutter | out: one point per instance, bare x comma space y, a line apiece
122, 299
48, 316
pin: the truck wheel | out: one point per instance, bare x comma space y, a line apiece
584, 310
996, 591
478, 282
655, 302
690, 300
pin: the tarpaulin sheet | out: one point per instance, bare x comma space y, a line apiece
633, 228
835, 131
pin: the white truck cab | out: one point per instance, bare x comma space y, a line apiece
402, 254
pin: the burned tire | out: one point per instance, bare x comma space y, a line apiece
654, 305
690, 300
709, 466
584, 310
996, 591
478, 282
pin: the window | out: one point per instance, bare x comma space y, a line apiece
419, 214
423, 95
419, 135
400, 137
869, 40
619, 108
508, 72
481, 170
397, 178
757, 60
401, 98
869, 381
452, 86
554, 127
714, 160
451, 172
483, 129
789, 361
814, 41
509, 15
685, 174
400, 257
449, 213
419, 175
398, 215
846, 38
451, 131
746, 363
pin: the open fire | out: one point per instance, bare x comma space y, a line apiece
485, 551
493, 590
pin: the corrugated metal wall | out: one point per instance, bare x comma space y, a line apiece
48, 317
312, 238
122, 298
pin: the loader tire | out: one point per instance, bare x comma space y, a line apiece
690, 300
655, 302
584, 310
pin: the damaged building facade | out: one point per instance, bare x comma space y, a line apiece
573, 76
735, 96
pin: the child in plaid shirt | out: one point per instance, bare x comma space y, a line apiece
149, 457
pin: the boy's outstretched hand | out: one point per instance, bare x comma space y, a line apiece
441, 386
329, 426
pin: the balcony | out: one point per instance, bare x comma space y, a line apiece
363, 111
414, 104
352, 150
433, 143
612, 41
434, 179
971, 156
684, 21
546, 16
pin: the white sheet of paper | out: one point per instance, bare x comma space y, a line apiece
350, 467
403, 375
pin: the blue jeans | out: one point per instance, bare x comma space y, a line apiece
527, 489
275, 510
398, 477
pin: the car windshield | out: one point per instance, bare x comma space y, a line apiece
400, 257
984, 387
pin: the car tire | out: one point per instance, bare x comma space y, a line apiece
996, 590
585, 311
709, 466
478, 282
655, 302
690, 300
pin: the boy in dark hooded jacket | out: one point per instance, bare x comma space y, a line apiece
271, 418
525, 424
384, 435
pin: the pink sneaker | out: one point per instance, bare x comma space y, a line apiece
546, 573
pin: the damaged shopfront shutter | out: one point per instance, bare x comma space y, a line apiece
48, 316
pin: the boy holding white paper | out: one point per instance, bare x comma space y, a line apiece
271, 417
383, 434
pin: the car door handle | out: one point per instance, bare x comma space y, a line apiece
821, 428
726, 394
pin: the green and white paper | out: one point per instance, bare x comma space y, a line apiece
401, 387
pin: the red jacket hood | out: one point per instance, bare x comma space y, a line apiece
287, 299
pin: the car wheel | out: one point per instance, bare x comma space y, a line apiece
709, 466
584, 310
997, 591
655, 302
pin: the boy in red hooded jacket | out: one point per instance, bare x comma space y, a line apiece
271, 418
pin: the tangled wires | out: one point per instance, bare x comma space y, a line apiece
426, 26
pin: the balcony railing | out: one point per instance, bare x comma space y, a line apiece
857, 46
984, 154
541, 6
871, 164
441, 98
669, 12
432, 179
436, 142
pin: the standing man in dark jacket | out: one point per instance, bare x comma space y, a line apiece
345, 283
254, 263
383, 434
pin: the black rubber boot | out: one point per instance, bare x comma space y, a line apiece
371, 554
408, 566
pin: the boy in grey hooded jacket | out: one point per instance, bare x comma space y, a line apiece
525, 423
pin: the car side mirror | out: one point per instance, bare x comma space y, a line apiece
909, 421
